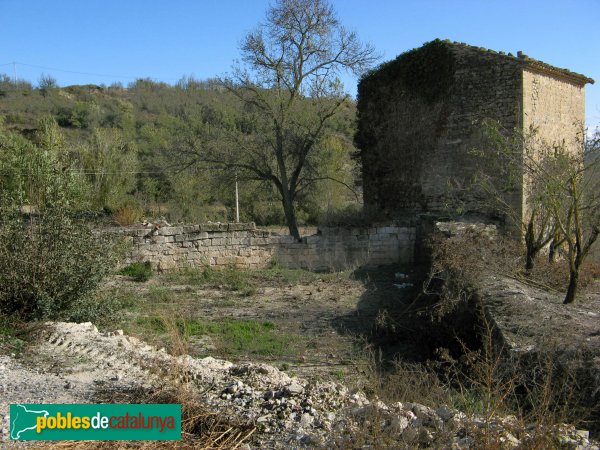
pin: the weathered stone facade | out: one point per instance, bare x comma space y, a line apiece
420, 118
244, 246
553, 105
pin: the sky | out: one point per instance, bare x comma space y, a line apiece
106, 41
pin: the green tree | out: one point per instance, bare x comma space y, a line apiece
110, 163
28, 171
290, 90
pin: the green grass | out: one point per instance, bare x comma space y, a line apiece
159, 294
10, 336
246, 281
138, 271
231, 336
339, 374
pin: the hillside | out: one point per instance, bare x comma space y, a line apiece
141, 137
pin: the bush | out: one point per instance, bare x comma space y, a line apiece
49, 262
139, 271
128, 214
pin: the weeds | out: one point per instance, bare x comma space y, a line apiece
128, 214
247, 281
13, 335
232, 279
101, 309
138, 271
159, 294
232, 337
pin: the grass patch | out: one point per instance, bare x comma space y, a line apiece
232, 279
11, 339
247, 281
138, 271
339, 374
231, 336
159, 294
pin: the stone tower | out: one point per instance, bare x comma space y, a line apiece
420, 118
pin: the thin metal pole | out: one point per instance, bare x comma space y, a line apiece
15, 72
237, 201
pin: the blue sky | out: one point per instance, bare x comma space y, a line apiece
107, 40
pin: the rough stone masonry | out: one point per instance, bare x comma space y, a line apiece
420, 119
242, 245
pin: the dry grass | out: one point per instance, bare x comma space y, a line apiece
128, 215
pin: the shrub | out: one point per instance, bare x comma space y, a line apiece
103, 309
139, 271
49, 262
128, 214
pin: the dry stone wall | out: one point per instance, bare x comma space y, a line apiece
244, 246
345, 248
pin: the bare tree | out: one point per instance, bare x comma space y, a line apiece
574, 181
289, 85
513, 163
561, 186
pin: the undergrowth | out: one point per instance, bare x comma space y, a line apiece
232, 337
245, 281
138, 271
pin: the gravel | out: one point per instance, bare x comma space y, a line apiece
72, 362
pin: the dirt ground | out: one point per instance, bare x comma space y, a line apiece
529, 317
325, 325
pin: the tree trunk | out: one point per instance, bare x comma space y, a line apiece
531, 248
572, 290
290, 215
552, 252
530, 258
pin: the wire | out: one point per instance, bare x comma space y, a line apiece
74, 71
85, 172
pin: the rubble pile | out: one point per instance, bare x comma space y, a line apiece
288, 412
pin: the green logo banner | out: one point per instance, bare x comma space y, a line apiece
56, 422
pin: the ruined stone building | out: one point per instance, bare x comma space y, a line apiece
420, 118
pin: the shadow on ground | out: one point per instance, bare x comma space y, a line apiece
390, 316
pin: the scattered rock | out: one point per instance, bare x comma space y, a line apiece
289, 411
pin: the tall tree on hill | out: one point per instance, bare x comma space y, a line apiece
290, 90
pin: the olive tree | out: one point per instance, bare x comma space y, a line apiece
289, 87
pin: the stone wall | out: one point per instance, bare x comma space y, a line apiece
420, 118
555, 107
245, 246
346, 248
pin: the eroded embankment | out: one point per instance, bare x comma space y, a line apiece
534, 330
